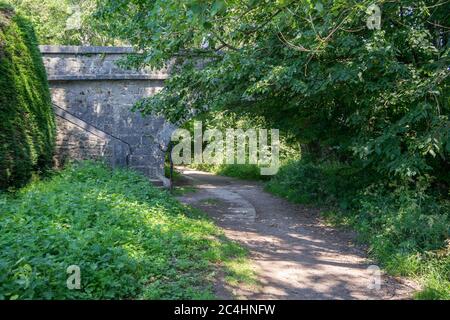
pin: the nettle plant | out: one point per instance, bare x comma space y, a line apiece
377, 96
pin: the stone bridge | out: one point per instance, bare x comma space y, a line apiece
92, 99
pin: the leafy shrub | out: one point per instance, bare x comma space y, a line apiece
241, 171
407, 228
27, 129
130, 239
326, 183
229, 120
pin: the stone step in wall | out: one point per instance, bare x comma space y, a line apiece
93, 97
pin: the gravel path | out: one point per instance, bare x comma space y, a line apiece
294, 255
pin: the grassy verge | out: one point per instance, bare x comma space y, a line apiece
176, 175
129, 239
407, 228
241, 171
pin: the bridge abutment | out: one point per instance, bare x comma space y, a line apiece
93, 97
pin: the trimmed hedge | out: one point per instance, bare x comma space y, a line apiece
27, 125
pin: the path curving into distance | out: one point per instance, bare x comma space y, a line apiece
294, 254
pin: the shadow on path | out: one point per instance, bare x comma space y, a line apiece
295, 256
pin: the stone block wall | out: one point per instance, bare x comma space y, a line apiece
93, 99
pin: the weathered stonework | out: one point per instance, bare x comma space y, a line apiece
93, 99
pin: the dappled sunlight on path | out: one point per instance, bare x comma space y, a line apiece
294, 255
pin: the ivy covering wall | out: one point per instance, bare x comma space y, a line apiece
27, 125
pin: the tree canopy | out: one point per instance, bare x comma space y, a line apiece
64, 22
311, 68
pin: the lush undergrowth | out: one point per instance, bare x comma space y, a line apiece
407, 229
129, 239
241, 171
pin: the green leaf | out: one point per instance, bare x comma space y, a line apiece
218, 6
319, 6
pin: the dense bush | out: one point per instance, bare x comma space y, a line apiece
406, 228
27, 127
242, 171
129, 239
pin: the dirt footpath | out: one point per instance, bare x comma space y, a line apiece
294, 255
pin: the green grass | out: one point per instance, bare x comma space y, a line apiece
176, 175
130, 240
182, 190
406, 227
240, 171
239, 271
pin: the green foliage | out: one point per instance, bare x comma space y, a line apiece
130, 239
224, 120
406, 228
27, 129
230, 120
312, 68
241, 171
325, 183
373, 104
64, 22
175, 174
